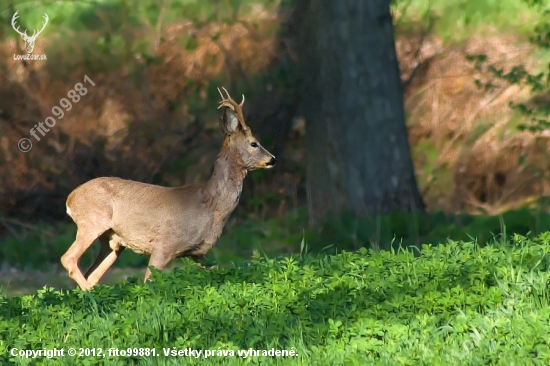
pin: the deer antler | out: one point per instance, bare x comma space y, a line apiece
24, 34
13, 19
43, 25
228, 102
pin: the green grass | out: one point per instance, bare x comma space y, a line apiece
456, 303
17, 282
457, 20
41, 247
463, 302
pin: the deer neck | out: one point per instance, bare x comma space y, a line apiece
224, 187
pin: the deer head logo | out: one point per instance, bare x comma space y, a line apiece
29, 40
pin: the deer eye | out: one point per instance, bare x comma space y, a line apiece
254, 144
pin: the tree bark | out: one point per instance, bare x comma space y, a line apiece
358, 155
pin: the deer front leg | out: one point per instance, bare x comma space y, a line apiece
159, 260
198, 260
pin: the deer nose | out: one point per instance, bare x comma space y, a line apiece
272, 162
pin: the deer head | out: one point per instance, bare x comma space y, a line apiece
29, 40
250, 155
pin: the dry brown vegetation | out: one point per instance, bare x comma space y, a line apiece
467, 149
150, 122
156, 121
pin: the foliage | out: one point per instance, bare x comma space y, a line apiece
43, 245
351, 308
282, 235
538, 108
152, 114
463, 62
130, 46
457, 20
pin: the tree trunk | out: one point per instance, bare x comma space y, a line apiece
356, 139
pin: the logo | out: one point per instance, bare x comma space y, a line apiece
29, 40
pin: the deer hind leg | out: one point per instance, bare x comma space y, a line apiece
110, 251
103, 253
85, 237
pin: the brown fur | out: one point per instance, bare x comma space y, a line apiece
163, 222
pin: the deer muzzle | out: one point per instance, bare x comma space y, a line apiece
271, 163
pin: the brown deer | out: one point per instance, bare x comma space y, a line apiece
162, 222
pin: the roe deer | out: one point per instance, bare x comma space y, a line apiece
163, 222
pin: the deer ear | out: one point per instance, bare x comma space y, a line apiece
229, 123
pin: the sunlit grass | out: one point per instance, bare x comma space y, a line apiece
352, 308
457, 20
